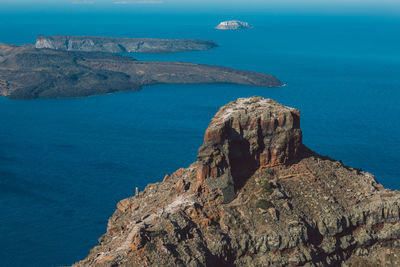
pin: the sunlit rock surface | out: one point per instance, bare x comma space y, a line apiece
287, 206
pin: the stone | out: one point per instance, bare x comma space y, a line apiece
287, 206
278, 194
123, 205
273, 213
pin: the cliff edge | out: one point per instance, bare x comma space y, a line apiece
121, 45
256, 196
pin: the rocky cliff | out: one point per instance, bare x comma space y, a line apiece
255, 197
121, 45
27, 73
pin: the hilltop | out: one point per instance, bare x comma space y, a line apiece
256, 196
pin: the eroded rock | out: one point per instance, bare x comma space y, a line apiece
186, 219
242, 137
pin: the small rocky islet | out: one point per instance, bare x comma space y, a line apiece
233, 25
256, 196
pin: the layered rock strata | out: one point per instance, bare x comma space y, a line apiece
289, 206
121, 45
245, 136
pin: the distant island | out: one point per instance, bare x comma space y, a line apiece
233, 25
256, 196
27, 73
121, 45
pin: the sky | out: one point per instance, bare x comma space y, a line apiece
390, 6
210, 2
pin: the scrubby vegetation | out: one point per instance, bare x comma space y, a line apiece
149, 247
269, 172
267, 187
264, 204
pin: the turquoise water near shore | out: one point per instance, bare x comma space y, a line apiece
65, 163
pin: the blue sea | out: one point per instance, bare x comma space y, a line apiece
65, 163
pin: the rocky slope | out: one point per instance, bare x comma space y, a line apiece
255, 197
27, 73
233, 25
121, 45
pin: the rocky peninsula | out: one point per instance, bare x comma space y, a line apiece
233, 25
27, 73
121, 45
256, 196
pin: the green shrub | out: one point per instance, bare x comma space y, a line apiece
268, 171
157, 233
267, 187
149, 247
264, 204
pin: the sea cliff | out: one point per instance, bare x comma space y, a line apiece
256, 196
121, 45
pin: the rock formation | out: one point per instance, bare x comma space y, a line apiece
27, 73
233, 25
255, 197
242, 138
121, 45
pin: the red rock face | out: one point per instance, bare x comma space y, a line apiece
245, 135
311, 212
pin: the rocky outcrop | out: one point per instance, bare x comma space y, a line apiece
233, 25
121, 45
289, 207
244, 136
27, 73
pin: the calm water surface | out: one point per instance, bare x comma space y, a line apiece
65, 163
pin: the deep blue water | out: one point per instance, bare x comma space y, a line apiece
65, 163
